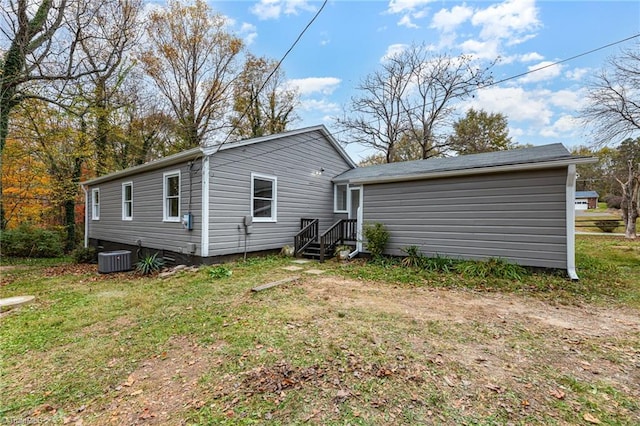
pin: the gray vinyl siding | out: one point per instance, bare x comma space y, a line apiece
518, 216
302, 192
147, 224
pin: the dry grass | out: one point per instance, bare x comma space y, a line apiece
361, 344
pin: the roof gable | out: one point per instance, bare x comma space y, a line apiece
464, 164
586, 194
194, 153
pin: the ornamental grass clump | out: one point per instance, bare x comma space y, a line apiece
149, 264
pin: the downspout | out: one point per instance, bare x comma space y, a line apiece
571, 221
206, 174
86, 215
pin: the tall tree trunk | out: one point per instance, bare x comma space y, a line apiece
102, 126
629, 206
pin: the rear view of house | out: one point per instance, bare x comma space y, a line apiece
300, 189
207, 203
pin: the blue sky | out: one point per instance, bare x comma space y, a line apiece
349, 39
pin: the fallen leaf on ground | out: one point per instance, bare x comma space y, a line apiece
493, 387
559, 394
591, 419
146, 414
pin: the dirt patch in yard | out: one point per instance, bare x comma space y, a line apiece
507, 342
462, 306
446, 351
159, 391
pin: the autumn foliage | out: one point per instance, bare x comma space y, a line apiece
26, 185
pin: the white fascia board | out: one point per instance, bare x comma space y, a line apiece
471, 171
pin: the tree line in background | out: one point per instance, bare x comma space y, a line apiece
84, 91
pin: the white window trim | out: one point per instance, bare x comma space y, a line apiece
335, 198
274, 201
95, 212
124, 210
165, 217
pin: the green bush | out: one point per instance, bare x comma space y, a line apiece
377, 237
85, 255
27, 241
220, 271
149, 264
494, 268
439, 264
607, 225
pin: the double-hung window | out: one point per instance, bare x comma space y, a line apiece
340, 198
95, 204
127, 201
171, 195
264, 198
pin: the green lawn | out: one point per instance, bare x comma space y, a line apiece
359, 344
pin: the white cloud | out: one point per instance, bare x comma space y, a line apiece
393, 50
325, 38
248, 32
533, 115
508, 23
324, 85
488, 49
577, 73
545, 70
406, 21
515, 132
447, 20
530, 57
566, 99
410, 11
515, 103
507, 20
403, 6
320, 105
267, 9
567, 124
273, 9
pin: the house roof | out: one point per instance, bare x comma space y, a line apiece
515, 159
586, 194
195, 153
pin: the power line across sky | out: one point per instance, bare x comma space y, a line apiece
538, 82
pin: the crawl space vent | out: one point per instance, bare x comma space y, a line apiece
114, 261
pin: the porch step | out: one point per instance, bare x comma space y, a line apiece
313, 251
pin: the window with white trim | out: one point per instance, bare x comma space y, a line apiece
95, 204
340, 198
171, 195
264, 198
127, 201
